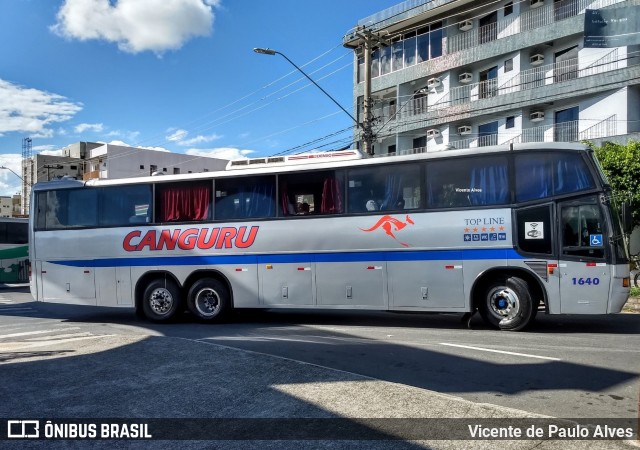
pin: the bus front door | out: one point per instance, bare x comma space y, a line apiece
584, 274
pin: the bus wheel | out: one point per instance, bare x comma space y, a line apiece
161, 300
208, 299
507, 304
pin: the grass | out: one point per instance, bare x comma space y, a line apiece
635, 291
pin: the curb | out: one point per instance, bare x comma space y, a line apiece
632, 305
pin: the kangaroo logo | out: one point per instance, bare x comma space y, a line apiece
389, 225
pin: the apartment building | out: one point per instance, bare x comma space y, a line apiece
464, 74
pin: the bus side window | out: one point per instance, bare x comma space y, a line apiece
466, 182
48, 210
394, 188
582, 230
245, 197
322, 191
534, 229
544, 175
124, 205
183, 202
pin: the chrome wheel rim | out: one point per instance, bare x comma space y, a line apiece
503, 302
161, 301
207, 302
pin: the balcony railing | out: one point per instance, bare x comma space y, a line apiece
91, 175
478, 141
536, 77
568, 131
606, 128
561, 132
529, 20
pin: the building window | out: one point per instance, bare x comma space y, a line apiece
141, 167
164, 169
397, 50
511, 122
409, 49
413, 47
489, 82
420, 142
508, 65
488, 134
566, 125
508, 9
488, 30
176, 170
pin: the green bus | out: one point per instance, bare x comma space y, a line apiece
14, 250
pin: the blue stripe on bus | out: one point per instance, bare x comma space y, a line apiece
292, 258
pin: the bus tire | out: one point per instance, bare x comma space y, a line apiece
161, 300
209, 300
506, 304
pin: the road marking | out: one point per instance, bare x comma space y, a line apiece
30, 333
10, 346
22, 325
58, 337
500, 351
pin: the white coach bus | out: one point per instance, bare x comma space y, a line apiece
500, 230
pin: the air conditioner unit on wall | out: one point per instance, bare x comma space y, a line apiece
433, 133
465, 77
536, 59
466, 25
536, 116
464, 129
536, 3
433, 83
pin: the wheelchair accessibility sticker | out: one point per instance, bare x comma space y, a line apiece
595, 240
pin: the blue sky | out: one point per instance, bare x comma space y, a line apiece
174, 74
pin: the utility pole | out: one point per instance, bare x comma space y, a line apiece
367, 104
51, 166
27, 174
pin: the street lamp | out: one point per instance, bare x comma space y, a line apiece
366, 131
10, 170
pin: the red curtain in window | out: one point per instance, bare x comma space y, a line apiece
331, 197
185, 202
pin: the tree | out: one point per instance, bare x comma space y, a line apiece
621, 164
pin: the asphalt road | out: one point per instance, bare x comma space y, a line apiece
568, 367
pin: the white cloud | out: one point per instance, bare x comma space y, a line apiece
124, 144
221, 152
199, 140
31, 110
176, 134
136, 25
96, 127
43, 148
52, 152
